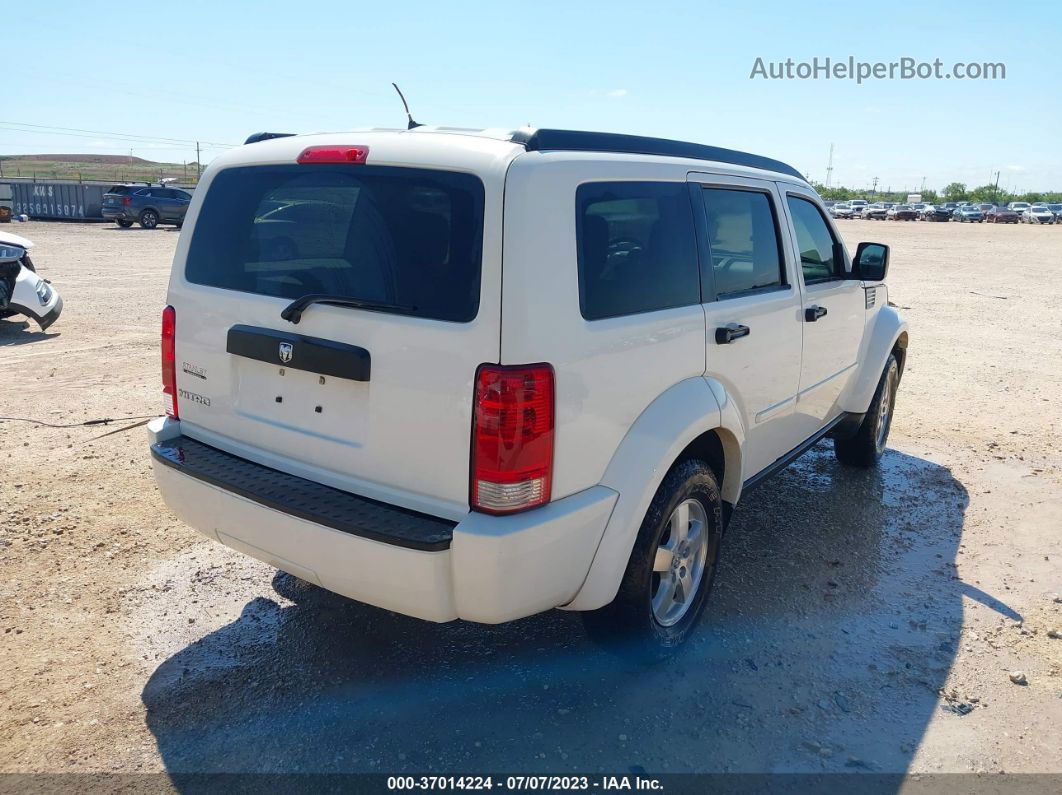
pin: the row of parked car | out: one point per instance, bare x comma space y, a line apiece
1013, 213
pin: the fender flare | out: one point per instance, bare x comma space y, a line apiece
888, 333
653, 443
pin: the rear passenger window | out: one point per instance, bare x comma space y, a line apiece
637, 250
743, 238
815, 241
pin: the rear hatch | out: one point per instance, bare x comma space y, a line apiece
114, 195
373, 399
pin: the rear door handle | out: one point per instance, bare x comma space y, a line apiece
813, 313
727, 334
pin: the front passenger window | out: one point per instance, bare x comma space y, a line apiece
815, 241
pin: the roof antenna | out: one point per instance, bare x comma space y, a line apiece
412, 124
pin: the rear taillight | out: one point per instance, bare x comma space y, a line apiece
169, 360
127, 201
351, 155
512, 438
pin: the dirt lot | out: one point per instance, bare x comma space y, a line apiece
862, 621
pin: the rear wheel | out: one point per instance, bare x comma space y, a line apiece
671, 569
122, 222
149, 219
866, 446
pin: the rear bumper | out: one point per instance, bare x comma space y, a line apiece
484, 568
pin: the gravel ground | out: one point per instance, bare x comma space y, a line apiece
863, 621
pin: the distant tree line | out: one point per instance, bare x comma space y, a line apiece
955, 192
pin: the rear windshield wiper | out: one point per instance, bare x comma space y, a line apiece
294, 310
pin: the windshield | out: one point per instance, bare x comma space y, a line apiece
403, 236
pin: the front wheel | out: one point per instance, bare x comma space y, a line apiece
670, 571
866, 446
149, 219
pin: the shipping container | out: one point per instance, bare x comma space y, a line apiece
59, 199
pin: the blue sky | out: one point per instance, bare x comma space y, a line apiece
219, 71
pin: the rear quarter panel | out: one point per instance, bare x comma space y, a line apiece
607, 371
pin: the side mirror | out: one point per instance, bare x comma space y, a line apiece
10, 253
871, 262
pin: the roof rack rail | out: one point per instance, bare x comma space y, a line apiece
582, 141
265, 136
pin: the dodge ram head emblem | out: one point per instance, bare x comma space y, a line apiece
286, 351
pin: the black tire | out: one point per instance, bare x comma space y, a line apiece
628, 626
866, 446
149, 219
122, 222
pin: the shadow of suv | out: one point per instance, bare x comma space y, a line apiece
148, 206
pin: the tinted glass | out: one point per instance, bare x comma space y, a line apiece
404, 236
637, 251
814, 240
743, 238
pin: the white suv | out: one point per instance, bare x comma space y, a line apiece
483, 374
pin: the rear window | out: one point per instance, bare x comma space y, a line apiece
121, 190
637, 250
407, 237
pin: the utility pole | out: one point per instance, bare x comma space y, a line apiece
874, 186
198, 164
829, 166
995, 191
923, 188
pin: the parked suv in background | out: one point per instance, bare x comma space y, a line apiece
480, 375
148, 206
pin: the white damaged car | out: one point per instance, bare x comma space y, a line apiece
22, 291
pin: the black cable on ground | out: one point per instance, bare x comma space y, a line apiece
104, 421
